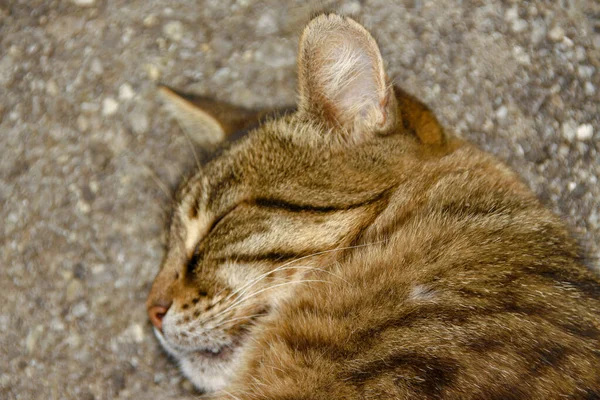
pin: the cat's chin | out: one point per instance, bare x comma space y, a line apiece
209, 370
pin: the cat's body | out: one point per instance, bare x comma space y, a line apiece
350, 250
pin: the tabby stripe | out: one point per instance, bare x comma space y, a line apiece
435, 373
273, 256
295, 207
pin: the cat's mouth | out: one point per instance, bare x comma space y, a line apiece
218, 354
221, 352
211, 350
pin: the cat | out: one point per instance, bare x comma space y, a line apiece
352, 249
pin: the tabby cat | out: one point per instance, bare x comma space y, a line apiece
352, 250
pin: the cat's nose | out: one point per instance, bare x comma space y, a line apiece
156, 312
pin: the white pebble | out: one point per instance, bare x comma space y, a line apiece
556, 34
79, 310
511, 14
51, 88
585, 132
126, 92
585, 71
569, 130
502, 113
96, 66
173, 30
150, 20
350, 8
137, 333
138, 121
84, 3
519, 25
109, 106
589, 89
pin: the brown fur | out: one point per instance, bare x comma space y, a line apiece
359, 253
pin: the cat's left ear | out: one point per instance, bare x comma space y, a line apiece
342, 79
207, 121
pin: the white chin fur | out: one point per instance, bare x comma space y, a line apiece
207, 375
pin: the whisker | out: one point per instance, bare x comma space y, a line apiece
191, 143
235, 319
238, 302
229, 394
156, 179
245, 298
260, 277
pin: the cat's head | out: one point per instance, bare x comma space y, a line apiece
250, 225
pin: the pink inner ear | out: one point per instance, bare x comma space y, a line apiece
342, 77
344, 71
353, 86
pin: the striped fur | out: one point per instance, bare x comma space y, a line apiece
321, 259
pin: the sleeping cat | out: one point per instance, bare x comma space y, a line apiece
351, 250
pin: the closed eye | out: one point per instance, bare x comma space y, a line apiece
198, 254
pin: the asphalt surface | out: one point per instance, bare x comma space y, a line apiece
89, 157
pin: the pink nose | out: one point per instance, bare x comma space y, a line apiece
157, 312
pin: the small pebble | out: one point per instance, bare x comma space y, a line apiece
82, 123
267, 24
96, 67
79, 310
556, 34
173, 30
32, 338
74, 290
89, 108
585, 132
84, 3
138, 121
150, 21
569, 130
51, 88
580, 53
126, 92
589, 89
519, 25
109, 106
538, 31
137, 333
502, 113
585, 71
350, 8
152, 71
511, 14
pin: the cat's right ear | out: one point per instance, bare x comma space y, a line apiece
207, 121
342, 80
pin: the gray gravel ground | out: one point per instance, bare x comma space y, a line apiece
88, 154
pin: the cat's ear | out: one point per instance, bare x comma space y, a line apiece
342, 78
207, 121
